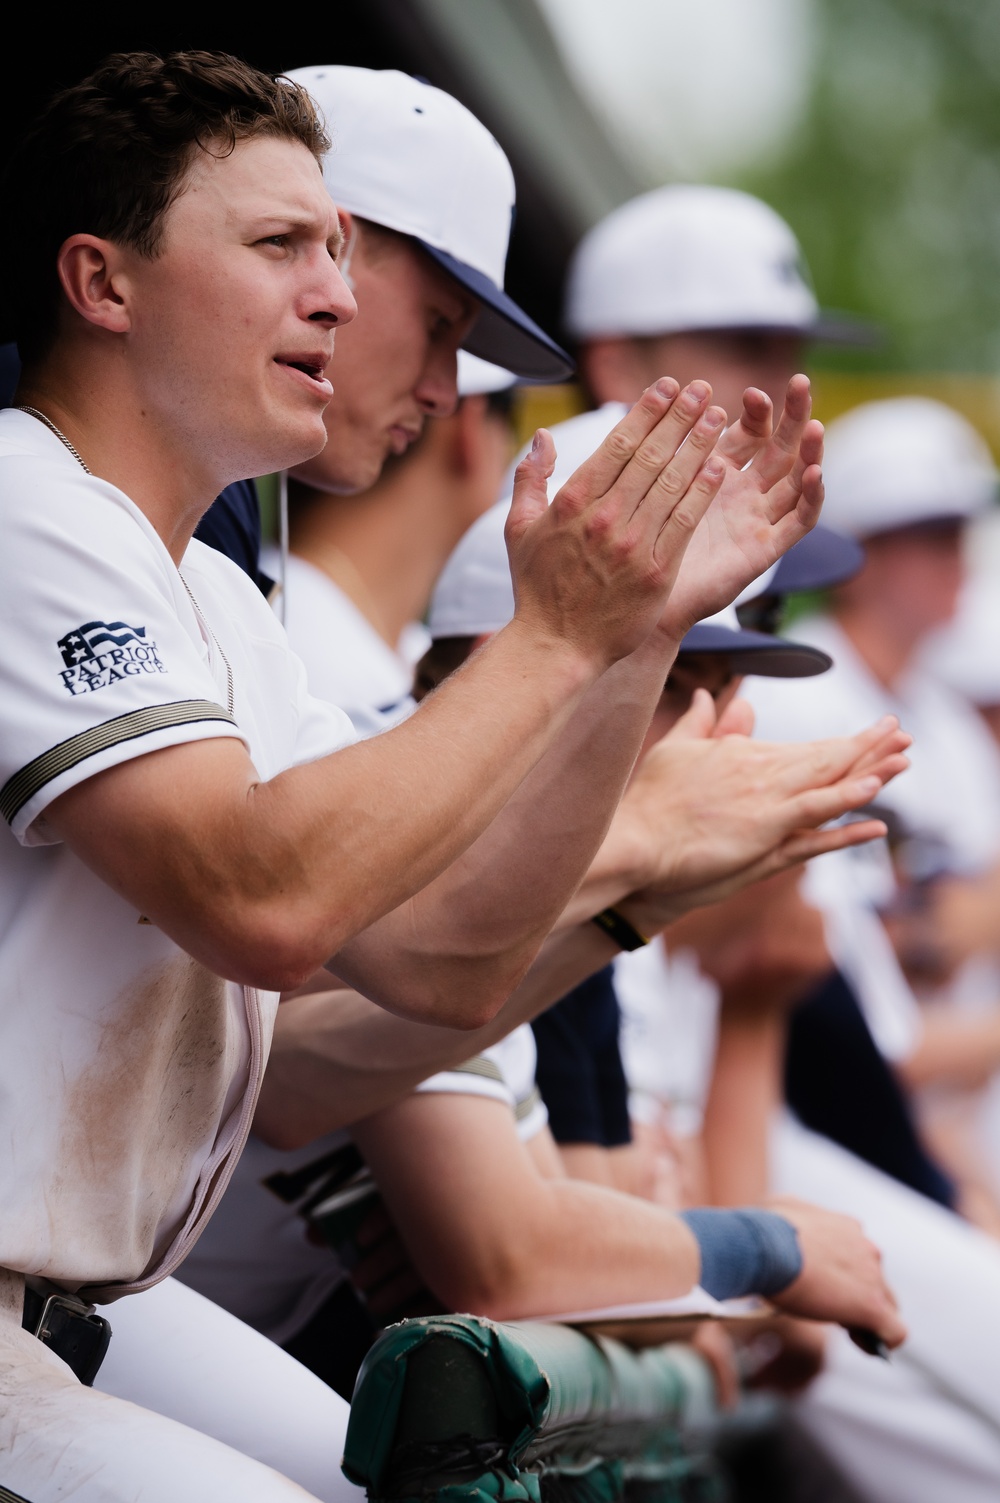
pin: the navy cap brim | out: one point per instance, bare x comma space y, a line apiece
819, 560
503, 333
755, 652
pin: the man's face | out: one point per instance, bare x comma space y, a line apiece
395, 367
911, 578
234, 319
730, 359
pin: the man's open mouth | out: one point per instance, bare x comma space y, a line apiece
313, 366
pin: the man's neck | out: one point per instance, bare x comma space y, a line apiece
384, 549
885, 653
118, 441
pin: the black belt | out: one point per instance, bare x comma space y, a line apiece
69, 1326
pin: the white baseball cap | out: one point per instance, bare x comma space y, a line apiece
474, 595
904, 461
478, 378
410, 157
693, 257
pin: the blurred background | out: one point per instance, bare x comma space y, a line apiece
871, 125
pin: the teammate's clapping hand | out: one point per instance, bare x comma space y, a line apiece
595, 568
770, 498
714, 810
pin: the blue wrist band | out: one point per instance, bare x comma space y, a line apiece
745, 1252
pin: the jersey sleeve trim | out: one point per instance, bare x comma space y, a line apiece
30, 779
528, 1104
479, 1066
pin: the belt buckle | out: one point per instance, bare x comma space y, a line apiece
70, 1328
71, 1303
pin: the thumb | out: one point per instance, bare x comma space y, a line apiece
530, 497
698, 721
736, 719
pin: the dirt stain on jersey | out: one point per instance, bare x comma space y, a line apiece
136, 1119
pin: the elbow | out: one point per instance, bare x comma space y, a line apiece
491, 1284
274, 950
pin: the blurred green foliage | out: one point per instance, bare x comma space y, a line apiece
893, 181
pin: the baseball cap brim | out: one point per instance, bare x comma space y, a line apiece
755, 652
821, 559
503, 333
832, 327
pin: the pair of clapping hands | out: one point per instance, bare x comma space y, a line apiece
665, 524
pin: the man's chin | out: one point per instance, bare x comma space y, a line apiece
338, 471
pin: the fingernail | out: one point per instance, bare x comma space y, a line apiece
868, 787
714, 418
700, 391
536, 444
666, 387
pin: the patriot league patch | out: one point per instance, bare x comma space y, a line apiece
104, 652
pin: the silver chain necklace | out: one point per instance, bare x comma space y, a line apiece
34, 412
60, 435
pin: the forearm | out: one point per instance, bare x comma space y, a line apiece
263, 880
962, 1051
744, 1093
337, 1057
511, 1244
479, 925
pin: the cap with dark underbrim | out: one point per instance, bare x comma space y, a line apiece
755, 652
819, 560
503, 333
829, 327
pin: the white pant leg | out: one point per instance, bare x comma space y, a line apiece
177, 1353
945, 1273
894, 1436
60, 1441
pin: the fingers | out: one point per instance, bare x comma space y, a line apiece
744, 438
698, 721
737, 719
530, 490
644, 462
597, 475
679, 521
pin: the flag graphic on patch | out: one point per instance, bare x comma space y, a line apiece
100, 653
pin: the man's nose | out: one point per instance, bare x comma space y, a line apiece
333, 300
437, 389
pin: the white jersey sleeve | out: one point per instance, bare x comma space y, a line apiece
503, 1072
103, 655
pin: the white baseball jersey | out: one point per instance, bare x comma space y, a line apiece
346, 661
256, 1257
128, 1072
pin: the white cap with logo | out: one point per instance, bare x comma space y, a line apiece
901, 462
410, 157
694, 257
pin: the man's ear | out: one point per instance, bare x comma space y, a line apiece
92, 276
350, 229
467, 434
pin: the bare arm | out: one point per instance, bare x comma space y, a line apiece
957, 1049
477, 927
264, 881
337, 1057
511, 1244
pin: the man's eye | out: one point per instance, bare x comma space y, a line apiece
279, 240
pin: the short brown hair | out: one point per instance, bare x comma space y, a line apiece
108, 156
